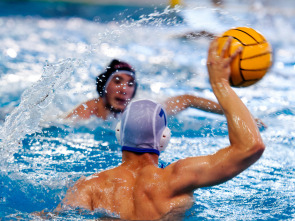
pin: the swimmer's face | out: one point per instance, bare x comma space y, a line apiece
119, 91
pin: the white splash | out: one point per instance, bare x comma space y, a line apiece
25, 118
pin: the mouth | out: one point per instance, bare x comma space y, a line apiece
121, 101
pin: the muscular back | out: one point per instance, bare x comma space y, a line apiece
131, 193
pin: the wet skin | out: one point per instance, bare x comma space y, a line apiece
139, 190
119, 92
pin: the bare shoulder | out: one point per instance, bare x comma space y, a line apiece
165, 190
151, 176
85, 186
105, 177
93, 102
85, 109
185, 174
94, 179
88, 106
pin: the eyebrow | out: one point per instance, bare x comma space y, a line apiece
120, 78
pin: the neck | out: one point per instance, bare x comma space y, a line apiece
100, 110
139, 160
110, 108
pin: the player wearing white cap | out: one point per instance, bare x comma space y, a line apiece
138, 189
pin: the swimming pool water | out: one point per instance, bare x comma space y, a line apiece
49, 64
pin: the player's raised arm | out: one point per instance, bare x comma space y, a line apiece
246, 145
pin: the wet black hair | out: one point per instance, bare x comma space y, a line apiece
114, 66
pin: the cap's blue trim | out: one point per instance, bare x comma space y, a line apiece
161, 114
140, 150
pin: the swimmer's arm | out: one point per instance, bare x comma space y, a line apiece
177, 104
79, 196
246, 145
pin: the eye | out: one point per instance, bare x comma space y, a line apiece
117, 80
130, 83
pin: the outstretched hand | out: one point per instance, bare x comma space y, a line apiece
219, 65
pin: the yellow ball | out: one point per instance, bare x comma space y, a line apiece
255, 59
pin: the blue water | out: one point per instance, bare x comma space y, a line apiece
48, 65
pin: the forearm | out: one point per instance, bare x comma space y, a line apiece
204, 104
242, 128
176, 104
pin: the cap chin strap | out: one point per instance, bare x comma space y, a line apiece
165, 138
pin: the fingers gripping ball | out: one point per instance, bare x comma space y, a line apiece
254, 60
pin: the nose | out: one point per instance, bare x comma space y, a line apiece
123, 88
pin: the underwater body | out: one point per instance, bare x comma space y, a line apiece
49, 64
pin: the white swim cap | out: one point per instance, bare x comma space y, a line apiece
143, 128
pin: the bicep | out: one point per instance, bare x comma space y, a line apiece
195, 172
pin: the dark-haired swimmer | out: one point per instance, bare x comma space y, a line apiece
117, 86
138, 189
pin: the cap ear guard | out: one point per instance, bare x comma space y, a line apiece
165, 138
118, 132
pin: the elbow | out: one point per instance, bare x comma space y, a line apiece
257, 150
259, 146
